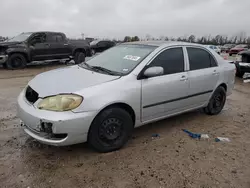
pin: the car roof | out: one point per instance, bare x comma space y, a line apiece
162, 43
43, 32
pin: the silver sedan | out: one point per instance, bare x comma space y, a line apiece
102, 100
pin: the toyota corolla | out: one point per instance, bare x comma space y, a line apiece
102, 100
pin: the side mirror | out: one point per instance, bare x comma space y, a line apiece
153, 71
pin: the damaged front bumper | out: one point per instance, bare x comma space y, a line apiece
54, 128
3, 59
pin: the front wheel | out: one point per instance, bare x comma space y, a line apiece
16, 61
216, 102
79, 57
110, 130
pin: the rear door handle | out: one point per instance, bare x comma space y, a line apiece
66, 44
215, 72
48, 45
183, 78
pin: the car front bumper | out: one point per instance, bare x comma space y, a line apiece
73, 126
3, 59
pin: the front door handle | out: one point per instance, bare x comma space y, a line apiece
47, 45
183, 78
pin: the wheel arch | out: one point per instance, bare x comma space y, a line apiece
79, 50
223, 85
121, 105
22, 53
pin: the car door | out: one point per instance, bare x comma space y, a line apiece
165, 94
203, 75
39, 47
59, 48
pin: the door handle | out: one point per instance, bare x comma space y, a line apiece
66, 44
183, 78
215, 72
48, 45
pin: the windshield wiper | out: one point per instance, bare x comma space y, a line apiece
105, 70
98, 68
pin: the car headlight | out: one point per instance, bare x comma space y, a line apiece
60, 103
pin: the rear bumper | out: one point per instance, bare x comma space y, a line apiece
3, 58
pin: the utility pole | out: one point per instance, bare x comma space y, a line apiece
82, 35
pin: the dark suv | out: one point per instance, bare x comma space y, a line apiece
100, 45
41, 46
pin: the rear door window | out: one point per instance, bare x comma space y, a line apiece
200, 59
55, 38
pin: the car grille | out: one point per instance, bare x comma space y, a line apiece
31, 95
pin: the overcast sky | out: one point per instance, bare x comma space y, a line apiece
117, 18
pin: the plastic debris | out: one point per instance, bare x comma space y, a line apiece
222, 139
195, 135
204, 136
155, 135
246, 80
192, 135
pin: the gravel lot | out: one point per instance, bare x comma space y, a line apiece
171, 160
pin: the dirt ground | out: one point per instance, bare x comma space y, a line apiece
172, 160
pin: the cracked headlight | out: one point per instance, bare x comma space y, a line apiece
60, 103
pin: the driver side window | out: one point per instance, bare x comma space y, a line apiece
38, 38
171, 60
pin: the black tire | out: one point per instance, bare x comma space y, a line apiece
110, 130
217, 102
4, 66
16, 61
79, 57
239, 73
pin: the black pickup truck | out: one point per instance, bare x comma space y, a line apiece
41, 46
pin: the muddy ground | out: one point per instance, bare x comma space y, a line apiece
171, 160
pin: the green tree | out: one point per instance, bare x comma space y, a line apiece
127, 39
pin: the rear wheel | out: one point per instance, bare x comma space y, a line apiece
216, 102
16, 61
79, 57
5, 66
110, 130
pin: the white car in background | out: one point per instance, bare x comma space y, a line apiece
215, 48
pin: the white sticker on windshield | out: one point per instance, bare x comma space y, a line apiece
132, 58
124, 70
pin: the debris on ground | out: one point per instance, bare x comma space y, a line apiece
155, 135
195, 135
222, 139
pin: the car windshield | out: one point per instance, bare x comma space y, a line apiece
121, 59
94, 42
240, 46
20, 38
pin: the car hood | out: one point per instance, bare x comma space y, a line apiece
67, 80
9, 43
